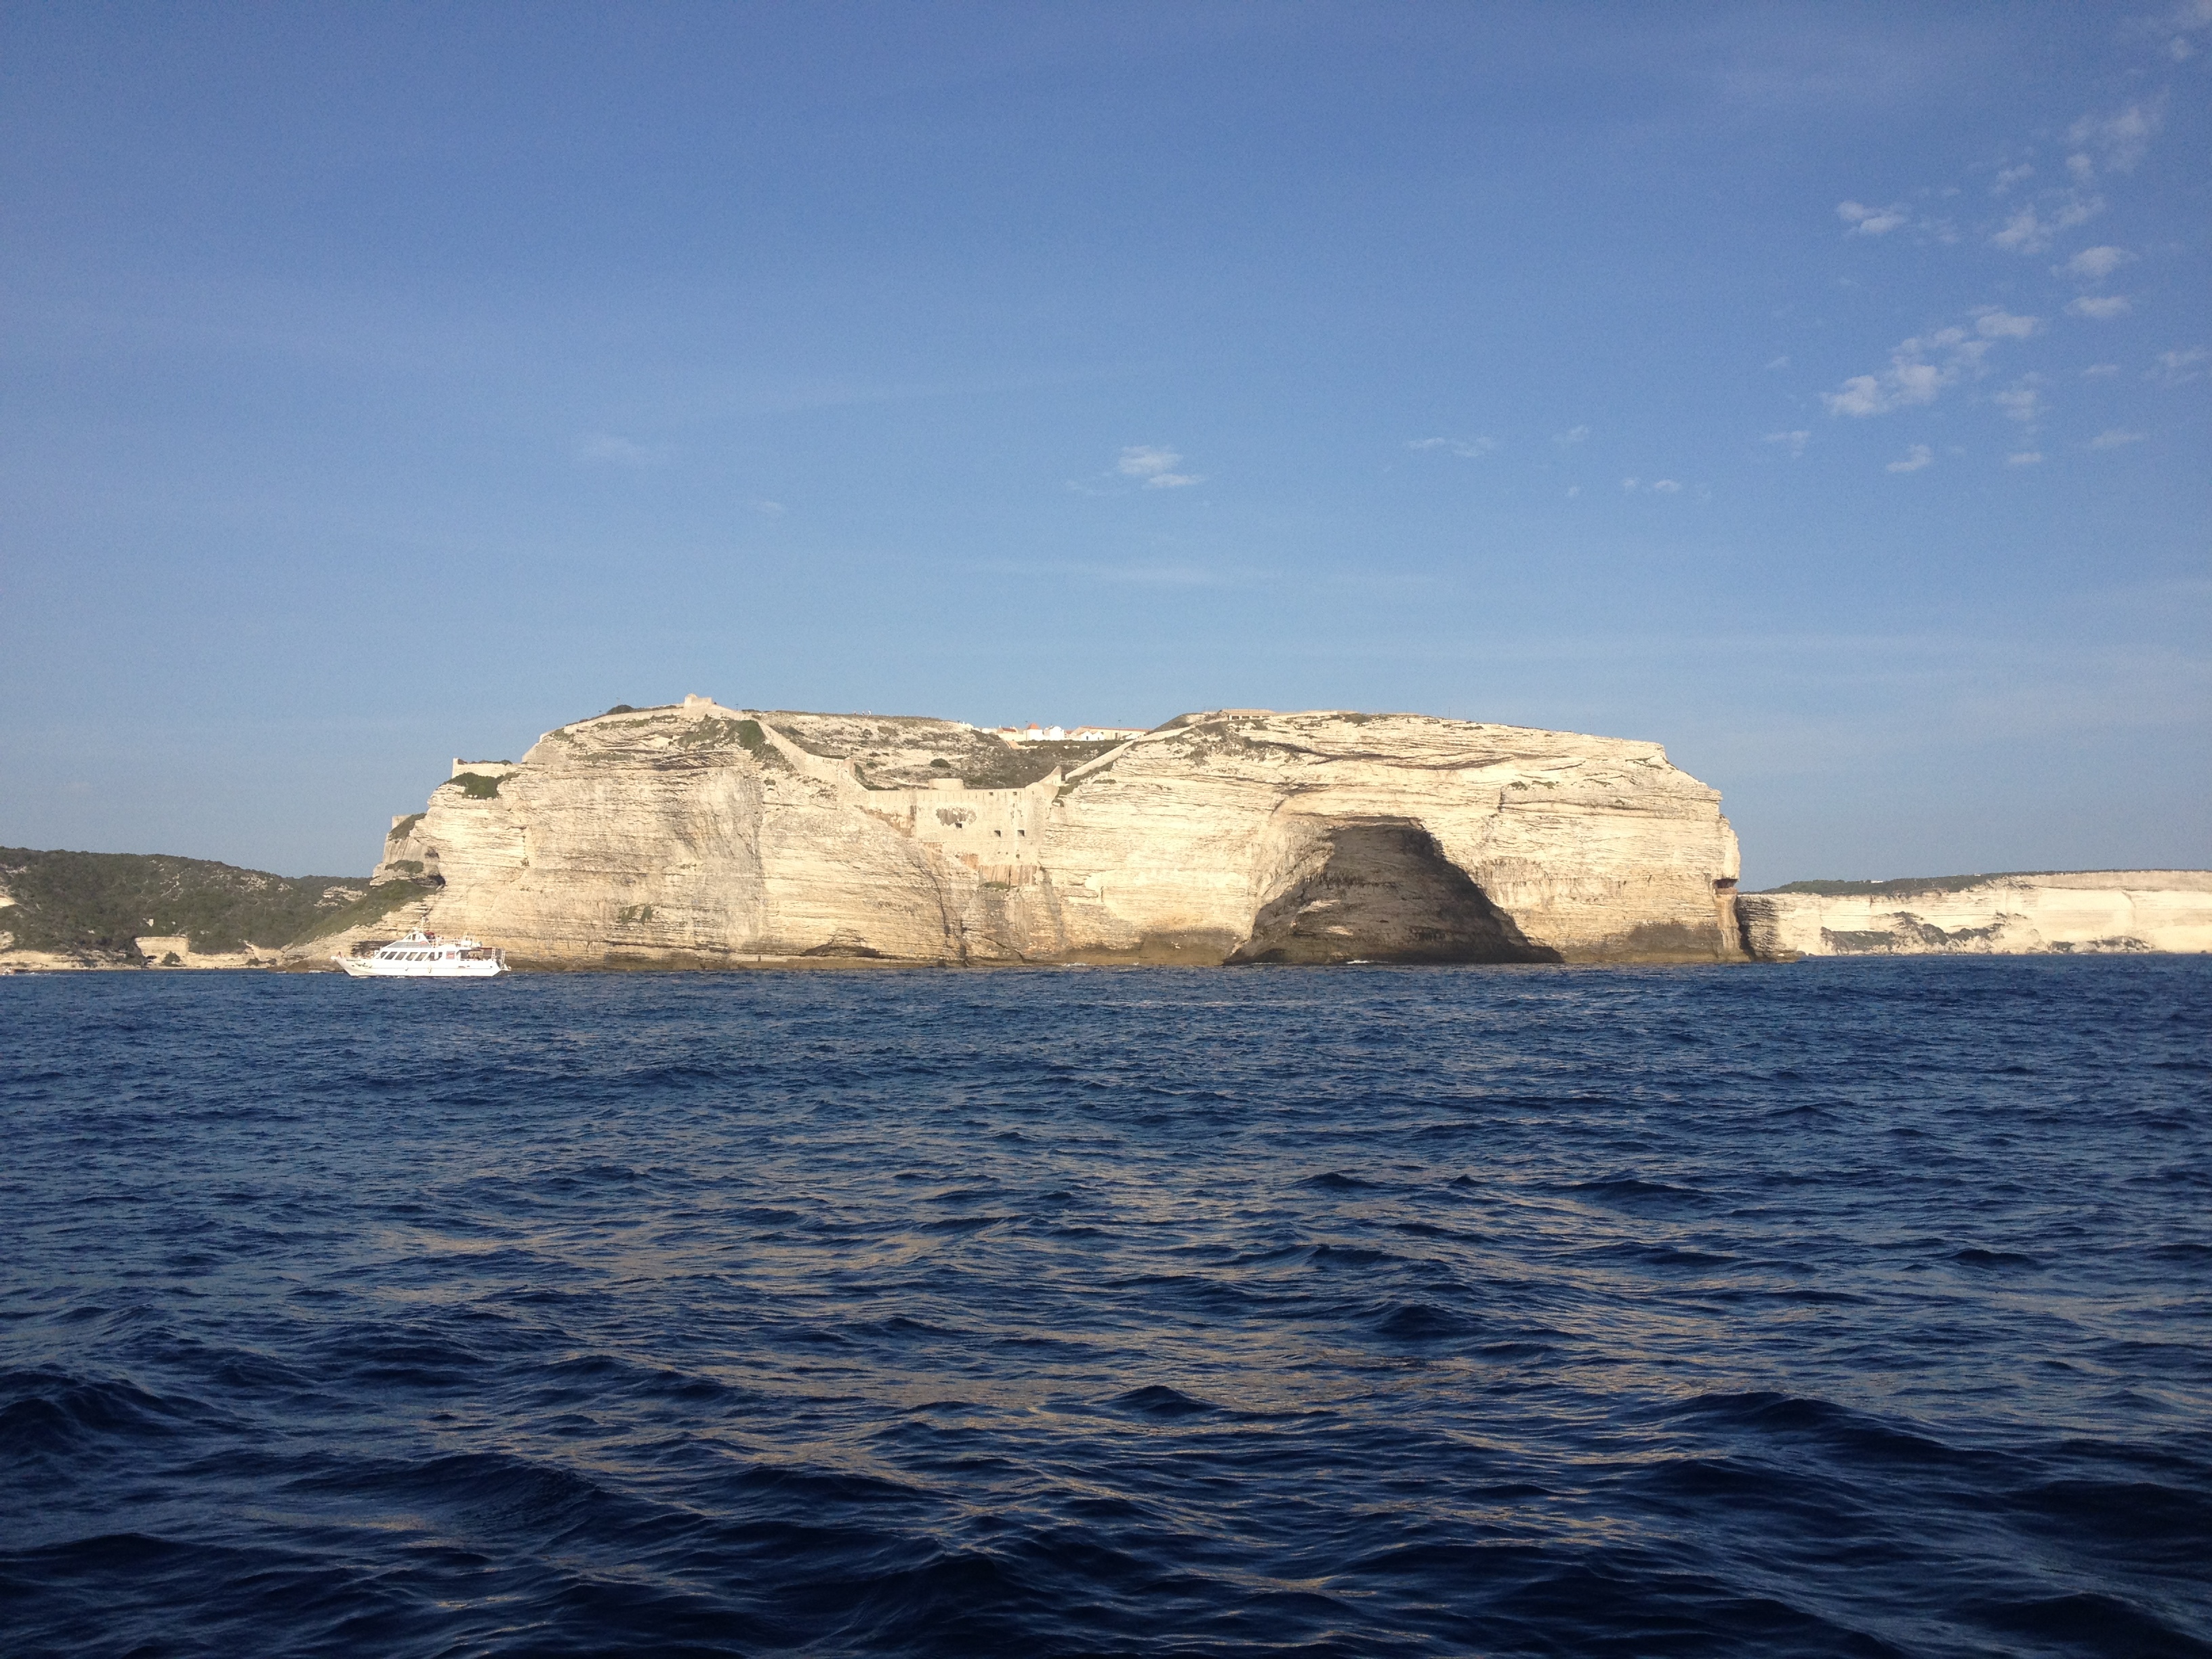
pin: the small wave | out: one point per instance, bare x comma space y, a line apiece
2172, 1523
1422, 1322
1770, 1413
2093, 1622
48, 1413
1664, 1256
963, 1224
1631, 1191
1158, 1399
1350, 1256
1433, 1230
902, 1326
2181, 1252
1972, 1257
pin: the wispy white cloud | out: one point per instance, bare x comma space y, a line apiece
2007, 177
1994, 323
2175, 366
2021, 401
2100, 307
1915, 458
605, 449
2099, 371
1870, 221
1912, 379
770, 509
1155, 468
1666, 487
2094, 265
1793, 441
2120, 139
2025, 458
1777, 362
2031, 229
2117, 438
1862, 395
2180, 25
1467, 446
1573, 435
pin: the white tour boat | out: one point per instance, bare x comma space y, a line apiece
425, 956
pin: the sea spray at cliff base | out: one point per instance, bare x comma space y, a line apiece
1858, 1308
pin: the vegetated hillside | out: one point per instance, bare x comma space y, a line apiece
101, 902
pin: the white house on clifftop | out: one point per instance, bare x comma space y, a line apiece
1035, 733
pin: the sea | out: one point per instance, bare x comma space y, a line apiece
1842, 1307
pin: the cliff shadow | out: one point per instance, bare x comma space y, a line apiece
1385, 893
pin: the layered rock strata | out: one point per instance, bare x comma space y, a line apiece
2074, 911
700, 835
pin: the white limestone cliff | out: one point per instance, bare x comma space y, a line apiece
2074, 911
699, 835
175, 951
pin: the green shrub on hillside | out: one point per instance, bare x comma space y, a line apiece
368, 909
475, 785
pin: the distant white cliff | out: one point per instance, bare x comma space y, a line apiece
2066, 912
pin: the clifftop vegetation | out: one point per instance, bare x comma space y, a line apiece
905, 751
1903, 884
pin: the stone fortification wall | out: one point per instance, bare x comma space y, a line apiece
701, 834
998, 834
2082, 911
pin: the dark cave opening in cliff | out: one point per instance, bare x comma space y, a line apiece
1385, 893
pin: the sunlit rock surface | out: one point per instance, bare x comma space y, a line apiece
700, 835
2065, 911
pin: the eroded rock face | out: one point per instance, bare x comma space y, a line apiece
1383, 891
702, 834
2064, 912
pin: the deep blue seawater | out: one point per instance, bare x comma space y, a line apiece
1846, 1308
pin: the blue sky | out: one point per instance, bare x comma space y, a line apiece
1820, 391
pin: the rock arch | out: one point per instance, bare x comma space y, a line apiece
1381, 889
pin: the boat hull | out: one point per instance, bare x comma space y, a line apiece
370, 968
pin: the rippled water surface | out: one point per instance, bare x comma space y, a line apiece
1836, 1309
